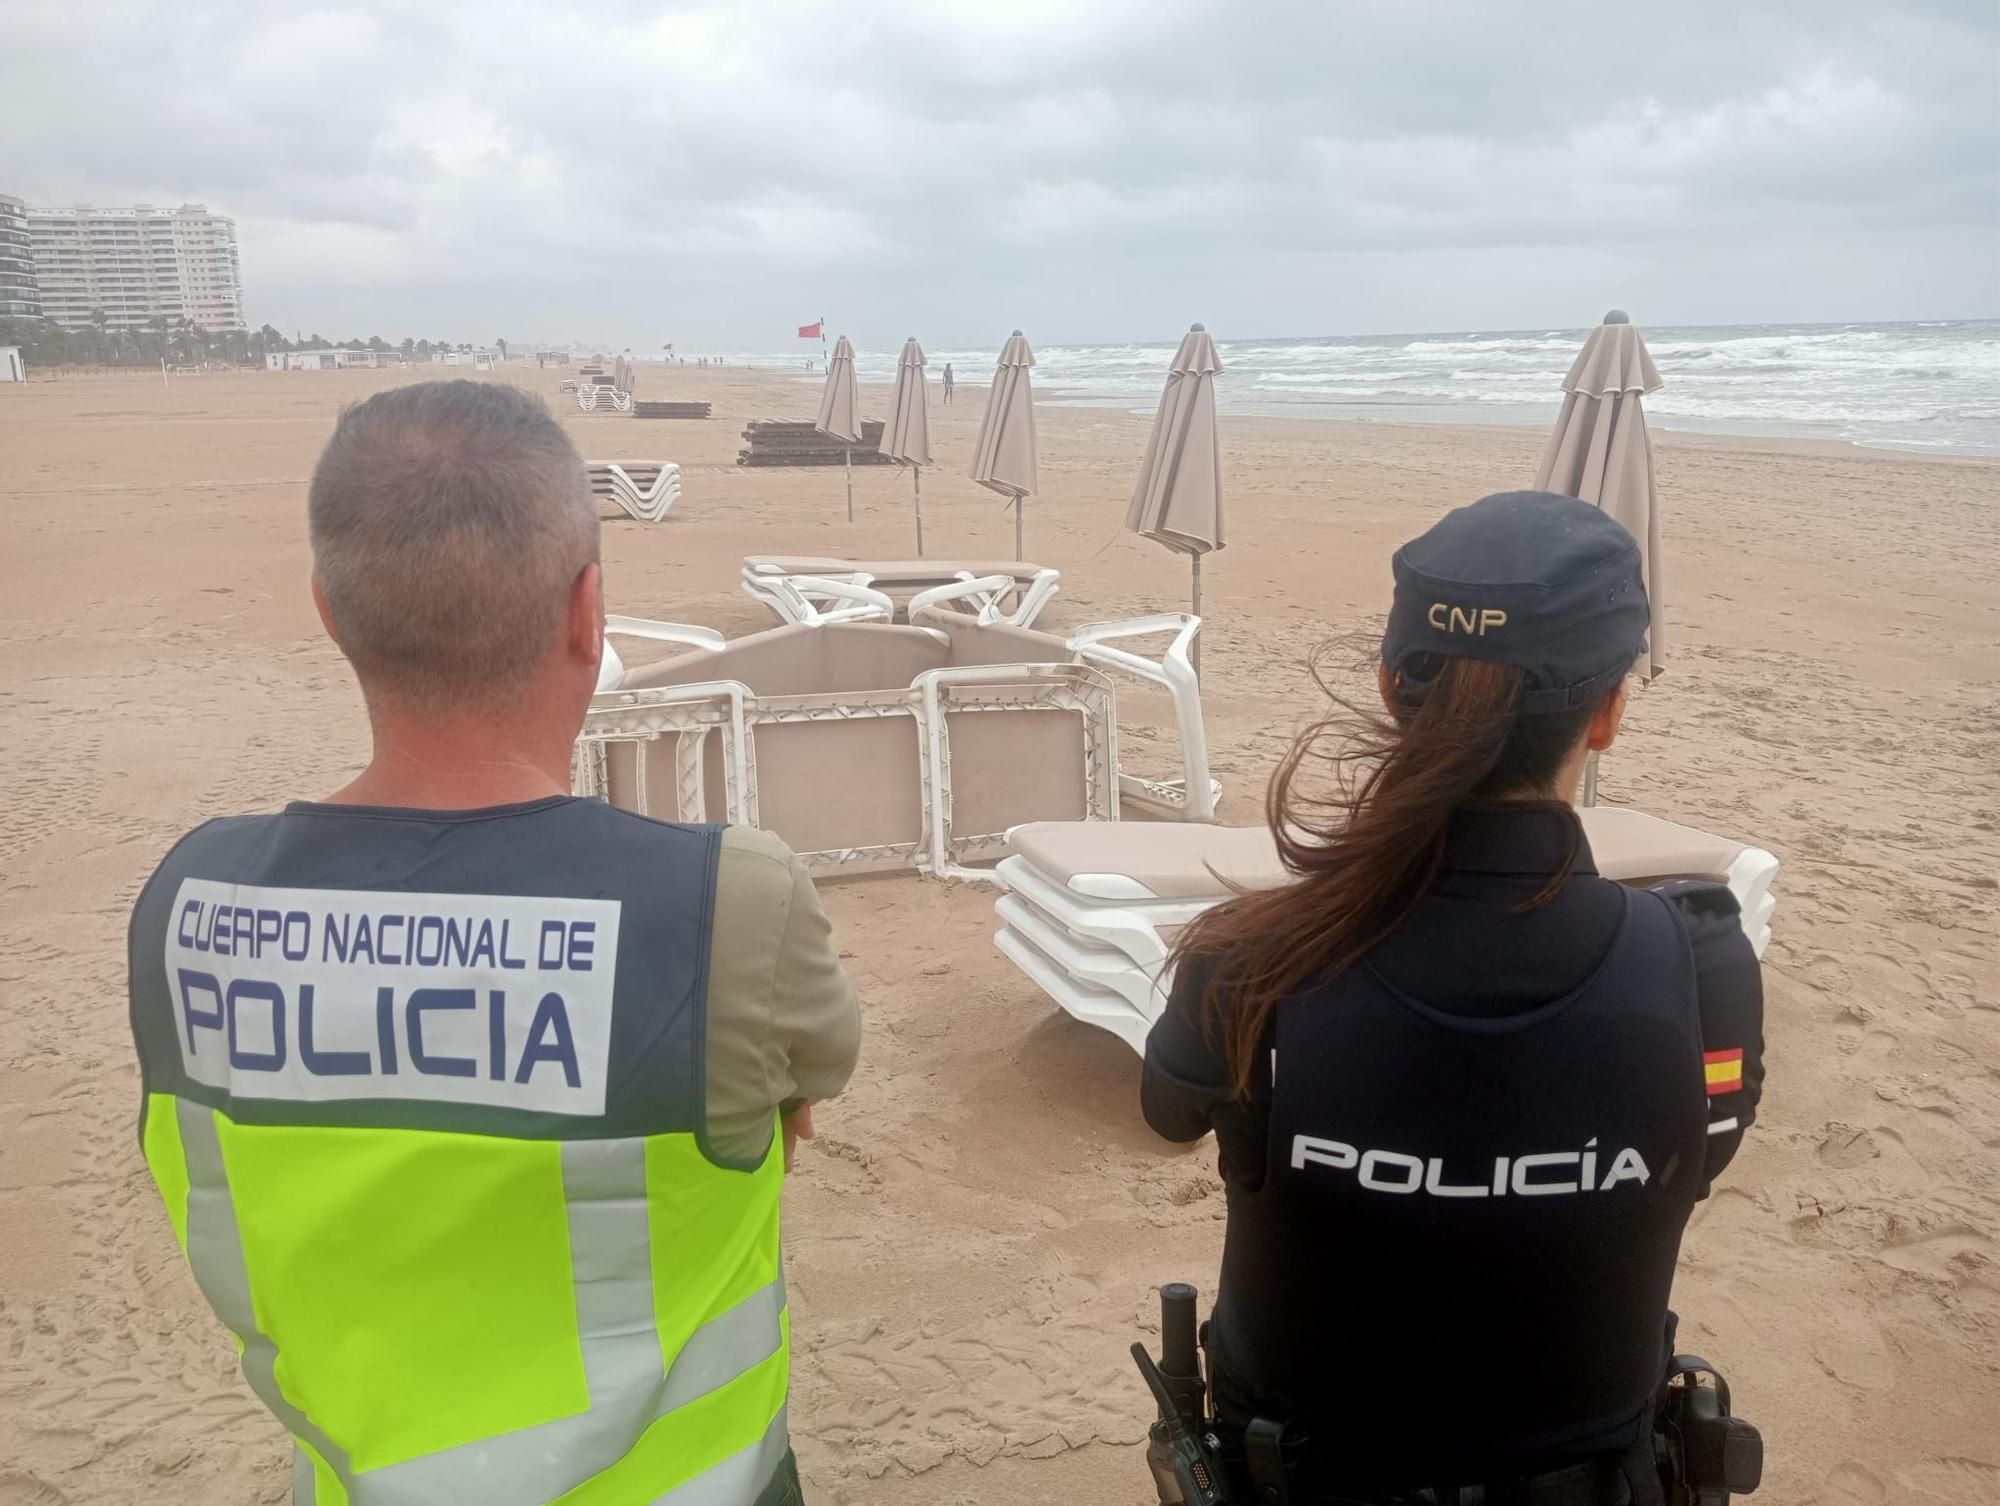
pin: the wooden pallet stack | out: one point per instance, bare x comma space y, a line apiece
784, 441
671, 410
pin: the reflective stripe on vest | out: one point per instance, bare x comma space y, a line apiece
722, 1389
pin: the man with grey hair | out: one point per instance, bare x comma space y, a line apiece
470, 1101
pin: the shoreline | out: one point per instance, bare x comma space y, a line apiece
1055, 399
1463, 416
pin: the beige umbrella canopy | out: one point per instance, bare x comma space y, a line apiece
1004, 457
1178, 499
1600, 453
906, 438
837, 410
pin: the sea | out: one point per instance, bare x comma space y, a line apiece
1930, 385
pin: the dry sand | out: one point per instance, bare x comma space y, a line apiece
975, 1236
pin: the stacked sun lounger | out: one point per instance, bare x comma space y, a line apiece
642, 489
590, 396
1091, 910
671, 410
771, 441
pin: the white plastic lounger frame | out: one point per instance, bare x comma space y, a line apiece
647, 500
592, 395
1011, 600
944, 693
692, 713
1092, 644
810, 600
1191, 797
783, 594
730, 710
611, 668
988, 594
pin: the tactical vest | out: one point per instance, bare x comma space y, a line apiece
1463, 1244
424, 1099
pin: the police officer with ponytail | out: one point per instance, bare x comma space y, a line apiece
1456, 1077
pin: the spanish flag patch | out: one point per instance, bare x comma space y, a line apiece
1724, 1070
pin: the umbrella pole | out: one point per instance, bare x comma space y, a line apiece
847, 460
1590, 781
1196, 656
1020, 549
917, 490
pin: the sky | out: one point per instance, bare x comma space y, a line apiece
1089, 170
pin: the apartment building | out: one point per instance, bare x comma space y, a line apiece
20, 292
137, 264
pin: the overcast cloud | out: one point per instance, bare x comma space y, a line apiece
1085, 169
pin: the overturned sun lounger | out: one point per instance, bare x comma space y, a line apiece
1016, 592
642, 489
1091, 912
871, 746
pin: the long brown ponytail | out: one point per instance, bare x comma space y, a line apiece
1366, 850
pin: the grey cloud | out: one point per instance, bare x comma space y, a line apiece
716, 173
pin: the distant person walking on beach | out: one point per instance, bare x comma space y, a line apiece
947, 381
471, 1101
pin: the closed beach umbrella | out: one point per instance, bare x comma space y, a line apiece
1600, 453
837, 411
906, 438
1004, 457
1178, 499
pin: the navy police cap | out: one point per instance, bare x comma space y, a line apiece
1546, 583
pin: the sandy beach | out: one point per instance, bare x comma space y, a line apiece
975, 1236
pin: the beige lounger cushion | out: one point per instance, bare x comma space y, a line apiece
995, 642
1174, 861
1635, 848
1171, 859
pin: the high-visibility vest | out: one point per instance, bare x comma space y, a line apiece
424, 1100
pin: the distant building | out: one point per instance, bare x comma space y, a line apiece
20, 290
328, 360
136, 265
11, 369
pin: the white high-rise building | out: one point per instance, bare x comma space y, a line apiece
136, 265
20, 292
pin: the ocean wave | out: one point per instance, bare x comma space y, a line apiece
1936, 382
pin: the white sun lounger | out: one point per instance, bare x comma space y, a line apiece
642, 489
1014, 592
806, 728
1091, 911
590, 396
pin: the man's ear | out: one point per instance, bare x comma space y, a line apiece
1610, 716
325, 611
583, 625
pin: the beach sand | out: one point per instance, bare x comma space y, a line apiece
975, 1237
